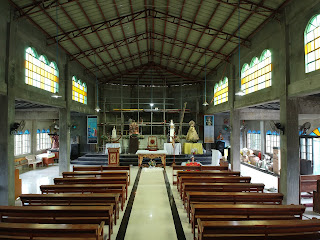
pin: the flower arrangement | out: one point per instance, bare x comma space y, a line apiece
152, 163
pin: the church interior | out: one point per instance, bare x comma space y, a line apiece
169, 119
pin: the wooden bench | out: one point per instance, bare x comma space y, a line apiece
101, 169
19, 162
316, 198
232, 198
51, 231
212, 179
87, 188
58, 215
308, 184
205, 174
193, 168
65, 199
92, 180
266, 230
96, 174
237, 212
220, 187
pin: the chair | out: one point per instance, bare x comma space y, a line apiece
152, 143
33, 161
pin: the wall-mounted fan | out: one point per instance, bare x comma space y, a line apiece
275, 126
227, 128
17, 127
304, 128
54, 126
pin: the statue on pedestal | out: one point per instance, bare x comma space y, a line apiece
171, 133
192, 135
133, 128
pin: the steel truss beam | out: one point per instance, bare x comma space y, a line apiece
144, 14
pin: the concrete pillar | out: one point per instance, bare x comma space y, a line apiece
263, 137
235, 139
7, 182
64, 140
289, 144
34, 137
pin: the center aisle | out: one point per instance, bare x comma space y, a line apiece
151, 216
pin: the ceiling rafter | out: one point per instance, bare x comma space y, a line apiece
238, 28
251, 5
197, 44
97, 34
54, 22
164, 29
124, 35
147, 27
75, 25
190, 29
152, 35
143, 36
212, 40
109, 31
134, 26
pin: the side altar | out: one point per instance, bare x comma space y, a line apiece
151, 155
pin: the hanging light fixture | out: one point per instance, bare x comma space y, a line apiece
97, 87
205, 82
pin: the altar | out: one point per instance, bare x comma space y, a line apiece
112, 145
152, 155
188, 147
176, 150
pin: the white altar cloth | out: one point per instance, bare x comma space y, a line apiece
113, 145
170, 150
152, 152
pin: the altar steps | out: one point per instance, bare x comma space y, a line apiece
132, 159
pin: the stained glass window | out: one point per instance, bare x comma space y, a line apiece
312, 44
257, 75
221, 91
40, 72
79, 91
315, 132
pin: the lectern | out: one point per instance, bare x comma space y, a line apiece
113, 156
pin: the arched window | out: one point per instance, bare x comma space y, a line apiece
40, 72
221, 91
257, 75
312, 44
79, 91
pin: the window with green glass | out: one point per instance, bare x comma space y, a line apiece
221, 91
257, 75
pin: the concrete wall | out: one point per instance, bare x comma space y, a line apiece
4, 12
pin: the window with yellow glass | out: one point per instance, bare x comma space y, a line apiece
41, 73
221, 91
312, 44
79, 91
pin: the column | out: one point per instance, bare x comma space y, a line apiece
7, 182
235, 139
289, 144
64, 126
263, 137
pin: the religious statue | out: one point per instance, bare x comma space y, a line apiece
114, 133
172, 135
220, 137
133, 128
192, 135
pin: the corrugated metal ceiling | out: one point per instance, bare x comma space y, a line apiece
164, 40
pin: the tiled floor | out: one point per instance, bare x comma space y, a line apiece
151, 216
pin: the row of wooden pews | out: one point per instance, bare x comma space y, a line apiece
222, 204
77, 206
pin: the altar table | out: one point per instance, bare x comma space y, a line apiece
176, 150
152, 155
112, 145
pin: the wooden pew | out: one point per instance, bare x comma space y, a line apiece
205, 174
65, 199
220, 187
58, 215
316, 198
87, 188
237, 212
233, 198
308, 183
96, 174
92, 180
51, 231
258, 230
194, 168
101, 169
212, 179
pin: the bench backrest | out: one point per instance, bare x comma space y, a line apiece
81, 188
308, 183
94, 174
92, 180
100, 168
279, 229
30, 230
